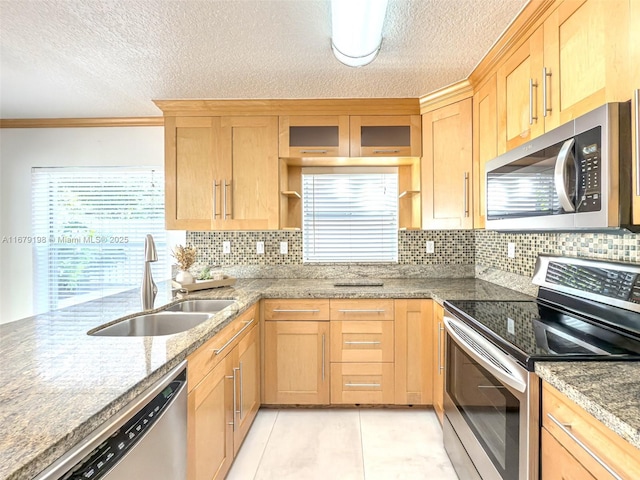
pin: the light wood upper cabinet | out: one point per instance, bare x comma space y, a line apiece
296, 362
385, 136
485, 144
248, 174
438, 360
314, 136
221, 173
192, 147
447, 167
633, 86
413, 352
519, 98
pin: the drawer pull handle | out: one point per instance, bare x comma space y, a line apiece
362, 342
219, 350
281, 310
313, 151
566, 428
386, 151
361, 384
377, 310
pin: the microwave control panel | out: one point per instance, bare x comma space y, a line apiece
589, 171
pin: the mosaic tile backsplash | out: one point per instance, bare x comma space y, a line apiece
458, 253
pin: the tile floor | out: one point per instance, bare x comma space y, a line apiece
343, 444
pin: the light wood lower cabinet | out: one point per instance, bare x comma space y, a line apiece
223, 400
296, 362
362, 383
438, 360
585, 440
413, 355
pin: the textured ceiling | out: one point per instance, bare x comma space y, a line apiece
92, 58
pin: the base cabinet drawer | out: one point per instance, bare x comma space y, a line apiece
558, 463
362, 341
368, 383
362, 309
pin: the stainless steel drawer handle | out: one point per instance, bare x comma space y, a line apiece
565, 429
361, 384
219, 350
282, 310
386, 151
313, 151
379, 310
361, 342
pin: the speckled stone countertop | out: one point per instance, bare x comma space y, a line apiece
610, 391
57, 384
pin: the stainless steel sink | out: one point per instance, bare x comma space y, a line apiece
208, 306
153, 324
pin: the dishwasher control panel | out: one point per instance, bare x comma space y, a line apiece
106, 455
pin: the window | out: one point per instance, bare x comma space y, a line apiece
350, 215
89, 228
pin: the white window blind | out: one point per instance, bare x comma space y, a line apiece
350, 216
89, 227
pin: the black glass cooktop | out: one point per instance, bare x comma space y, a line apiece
531, 331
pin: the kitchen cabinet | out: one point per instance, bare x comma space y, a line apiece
221, 173
568, 66
314, 136
413, 352
438, 360
633, 86
447, 164
362, 351
485, 144
224, 396
296, 352
385, 136
574, 442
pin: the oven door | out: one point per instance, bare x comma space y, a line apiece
491, 408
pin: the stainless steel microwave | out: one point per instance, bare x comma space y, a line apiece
575, 177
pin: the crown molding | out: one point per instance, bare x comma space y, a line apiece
81, 122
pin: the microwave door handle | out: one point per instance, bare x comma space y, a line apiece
559, 177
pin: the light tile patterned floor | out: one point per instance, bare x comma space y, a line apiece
343, 444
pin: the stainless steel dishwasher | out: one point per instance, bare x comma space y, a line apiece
146, 439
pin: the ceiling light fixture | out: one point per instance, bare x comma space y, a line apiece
357, 30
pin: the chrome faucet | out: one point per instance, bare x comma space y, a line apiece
149, 289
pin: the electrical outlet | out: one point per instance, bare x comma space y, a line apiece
430, 246
284, 248
511, 250
226, 247
260, 248
511, 326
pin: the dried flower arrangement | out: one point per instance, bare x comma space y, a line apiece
185, 256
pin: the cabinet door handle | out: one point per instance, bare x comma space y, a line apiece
294, 311
215, 199
440, 330
566, 429
224, 200
313, 151
378, 310
219, 350
465, 185
361, 384
532, 84
241, 390
233, 377
323, 356
636, 101
545, 108
361, 342
386, 151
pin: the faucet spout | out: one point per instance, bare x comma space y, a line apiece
149, 289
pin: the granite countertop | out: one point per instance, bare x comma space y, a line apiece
58, 384
610, 391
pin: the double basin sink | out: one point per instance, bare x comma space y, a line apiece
174, 319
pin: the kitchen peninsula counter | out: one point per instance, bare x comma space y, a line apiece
59, 384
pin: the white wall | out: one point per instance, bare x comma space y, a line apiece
22, 149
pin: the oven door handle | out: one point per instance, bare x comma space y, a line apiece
487, 355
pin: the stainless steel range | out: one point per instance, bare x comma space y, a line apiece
585, 310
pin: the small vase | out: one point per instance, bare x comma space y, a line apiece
183, 277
